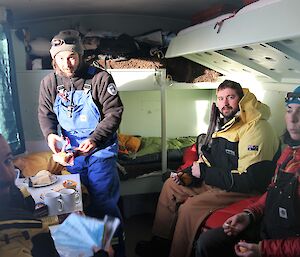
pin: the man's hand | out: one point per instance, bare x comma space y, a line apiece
196, 172
52, 142
244, 249
86, 146
102, 253
236, 224
175, 176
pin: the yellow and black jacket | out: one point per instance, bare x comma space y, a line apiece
22, 235
243, 152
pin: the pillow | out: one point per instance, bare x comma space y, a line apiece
30, 164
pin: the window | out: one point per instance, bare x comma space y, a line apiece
10, 122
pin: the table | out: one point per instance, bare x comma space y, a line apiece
36, 192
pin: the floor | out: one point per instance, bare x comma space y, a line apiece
138, 212
137, 227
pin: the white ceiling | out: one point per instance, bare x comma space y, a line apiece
34, 9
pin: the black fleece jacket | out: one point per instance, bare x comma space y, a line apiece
110, 106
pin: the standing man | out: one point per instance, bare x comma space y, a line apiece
236, 164
81, 103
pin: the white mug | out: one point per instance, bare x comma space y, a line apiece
54, 202
70, 198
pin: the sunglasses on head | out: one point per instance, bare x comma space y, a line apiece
292, 96
67, 41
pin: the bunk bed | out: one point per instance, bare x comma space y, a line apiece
261, 40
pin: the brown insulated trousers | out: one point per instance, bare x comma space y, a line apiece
181, 210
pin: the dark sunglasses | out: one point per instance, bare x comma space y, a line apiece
292, 96
67, 41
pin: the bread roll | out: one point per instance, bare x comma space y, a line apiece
43, 173
41, 178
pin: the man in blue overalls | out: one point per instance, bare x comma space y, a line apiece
81, 103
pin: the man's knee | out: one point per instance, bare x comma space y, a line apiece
184, 211
189, 207
169, 183
205, 243
168, 190
202, 242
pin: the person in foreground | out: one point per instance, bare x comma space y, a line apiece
83, 103
238, 163
270, 226
21, 234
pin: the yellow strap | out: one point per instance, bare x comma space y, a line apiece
24, 192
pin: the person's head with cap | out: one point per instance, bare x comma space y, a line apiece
292, 117
66, 51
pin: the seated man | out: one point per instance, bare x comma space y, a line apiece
21, 234
276, 214
236, 164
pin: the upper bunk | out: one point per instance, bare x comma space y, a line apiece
261, 40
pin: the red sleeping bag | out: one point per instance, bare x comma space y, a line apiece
218, 217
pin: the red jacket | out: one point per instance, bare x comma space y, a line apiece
289, 247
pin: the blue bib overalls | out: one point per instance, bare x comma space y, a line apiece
78, 117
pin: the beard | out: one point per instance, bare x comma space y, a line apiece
66, 73
229, 114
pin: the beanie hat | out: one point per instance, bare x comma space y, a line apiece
66, 40
293, 97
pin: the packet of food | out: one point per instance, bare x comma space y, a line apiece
65, 158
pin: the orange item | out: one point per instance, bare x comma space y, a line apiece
128, 143
70, 184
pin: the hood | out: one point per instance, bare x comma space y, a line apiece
251, 109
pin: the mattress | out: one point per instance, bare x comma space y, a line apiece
147, 158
